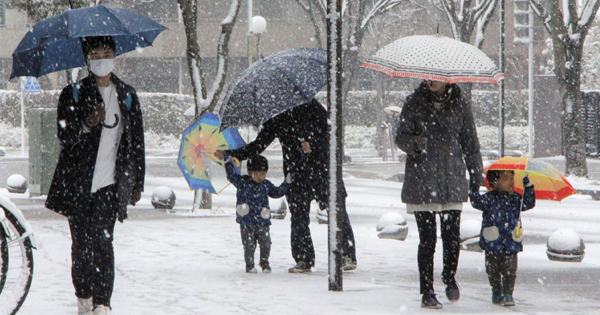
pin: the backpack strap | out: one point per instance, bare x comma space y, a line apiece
128, 102
76, 92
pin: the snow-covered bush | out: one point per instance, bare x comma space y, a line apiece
10, 136
516, 137
359, 137
164, 121
161, 141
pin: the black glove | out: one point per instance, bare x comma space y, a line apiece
122, 215
526, 181
420, 144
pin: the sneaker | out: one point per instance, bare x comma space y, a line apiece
452, 291
251, 269
102, 310
508, 300
497, 298
429, 301
301, 267
348, 264
85, 306
265, 267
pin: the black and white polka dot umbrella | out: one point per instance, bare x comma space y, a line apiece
434, 57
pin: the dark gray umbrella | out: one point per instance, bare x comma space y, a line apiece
273, 85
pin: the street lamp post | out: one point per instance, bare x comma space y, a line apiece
259, 25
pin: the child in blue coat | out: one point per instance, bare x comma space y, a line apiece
501, 233
252, 208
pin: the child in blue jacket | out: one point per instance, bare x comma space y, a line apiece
252, 208
501, 234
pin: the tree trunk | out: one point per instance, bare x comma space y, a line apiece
573, 138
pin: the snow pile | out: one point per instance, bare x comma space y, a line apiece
392, 225
390, 218
565, 241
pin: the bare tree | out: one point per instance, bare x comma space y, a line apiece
356, 17
467, 16
206, 100
568, 22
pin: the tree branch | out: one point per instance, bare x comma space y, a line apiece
223, 55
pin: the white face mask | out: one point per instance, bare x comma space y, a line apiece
102, 67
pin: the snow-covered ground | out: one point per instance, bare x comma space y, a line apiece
174, 264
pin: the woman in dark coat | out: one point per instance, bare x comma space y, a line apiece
438, 134
100, 170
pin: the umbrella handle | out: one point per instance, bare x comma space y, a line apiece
114, 125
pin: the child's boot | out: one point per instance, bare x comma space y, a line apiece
265, 267
508, 300
251, 269
497, 297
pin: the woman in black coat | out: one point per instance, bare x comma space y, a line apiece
437, 131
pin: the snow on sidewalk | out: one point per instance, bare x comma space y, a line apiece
181, 265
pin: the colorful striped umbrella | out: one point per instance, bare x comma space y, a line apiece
434, 57
197, 151
549, 184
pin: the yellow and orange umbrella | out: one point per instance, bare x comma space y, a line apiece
549, 183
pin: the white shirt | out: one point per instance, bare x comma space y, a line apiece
104, 172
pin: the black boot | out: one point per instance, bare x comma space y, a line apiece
452, 291
429, 301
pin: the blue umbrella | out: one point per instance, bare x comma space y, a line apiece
54, 44
273, 85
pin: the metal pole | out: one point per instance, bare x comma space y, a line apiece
530, 129
249, 43
249, 51
501, 84
334, 102
22, 116
257, 47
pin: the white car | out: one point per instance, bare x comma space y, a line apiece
2, 151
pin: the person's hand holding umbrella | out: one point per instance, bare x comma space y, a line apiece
306, 147
97, 116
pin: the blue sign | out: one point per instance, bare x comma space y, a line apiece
32, 86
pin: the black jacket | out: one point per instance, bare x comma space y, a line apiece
437, 174
70, 190
307, 122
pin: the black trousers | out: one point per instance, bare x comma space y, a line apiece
251, 234
92, 254
502, 271
450, 226
299, 198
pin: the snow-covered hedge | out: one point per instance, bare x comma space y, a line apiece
515, 137
164, 120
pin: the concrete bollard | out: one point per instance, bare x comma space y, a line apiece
565, 245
